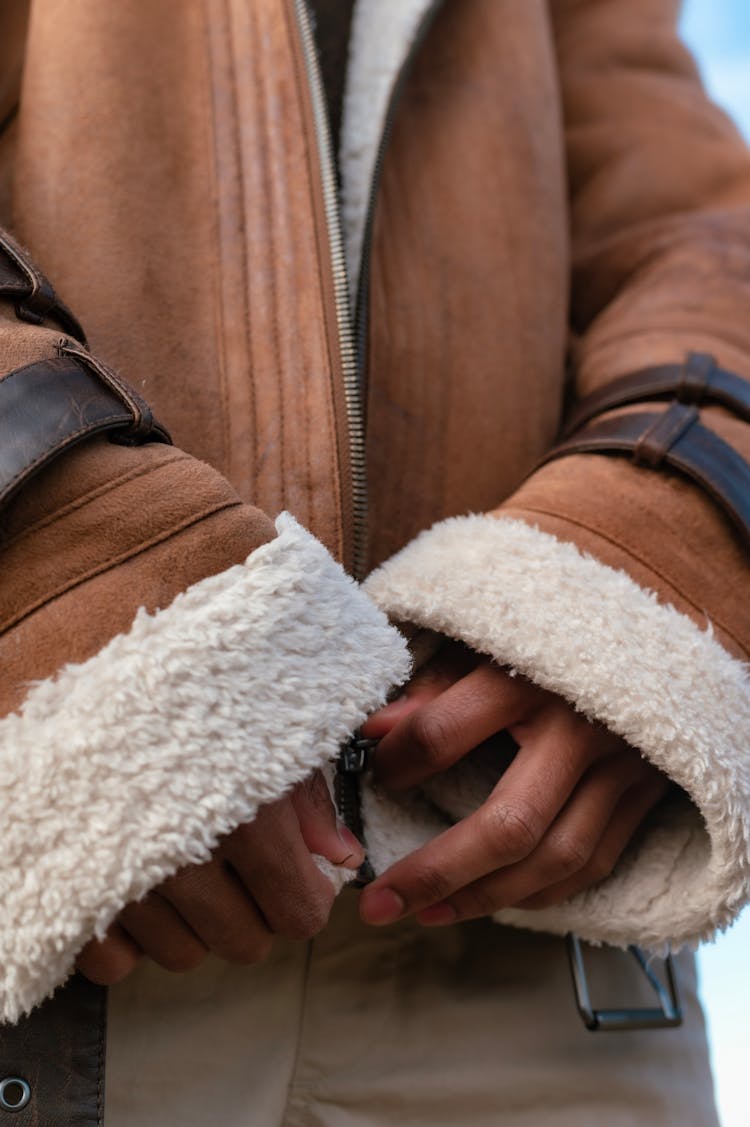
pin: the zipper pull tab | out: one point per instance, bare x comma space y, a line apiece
355, 756
354, 760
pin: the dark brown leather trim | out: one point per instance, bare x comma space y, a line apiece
59, 1051
53, 404
142, 423
665, 431
33, 294
697, 381
676, 439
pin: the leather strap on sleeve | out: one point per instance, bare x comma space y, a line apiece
32, 293
51, 405
676, 439
52, 1061
697, 381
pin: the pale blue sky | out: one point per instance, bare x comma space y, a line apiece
719, 33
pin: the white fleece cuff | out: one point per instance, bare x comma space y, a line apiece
132, 764
591, 634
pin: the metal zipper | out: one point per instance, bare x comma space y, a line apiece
349, 366
355, 754
354, 761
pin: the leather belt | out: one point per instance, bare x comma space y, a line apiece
51, 405
676, 439
32, 293
698, 381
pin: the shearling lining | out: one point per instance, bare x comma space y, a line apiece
590, 634
130, 765
381, 34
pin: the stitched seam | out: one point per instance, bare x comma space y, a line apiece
628, 550
211, 143
247, 313
261, 83
87, 498
291, 1087
114, 561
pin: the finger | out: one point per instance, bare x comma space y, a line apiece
452, 662
275, 865
635, 805
162, 934
321, 830
507, 828
564, 851
433, 737
109, 960
217, 909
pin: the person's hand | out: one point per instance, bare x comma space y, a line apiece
261, 882
557, 821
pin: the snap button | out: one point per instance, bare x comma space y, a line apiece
15, 1093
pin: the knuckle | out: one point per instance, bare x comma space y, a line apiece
431, 885
432, 735
512, 829
481, 902
308, 918
568, 854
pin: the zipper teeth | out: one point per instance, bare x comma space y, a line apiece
349, 360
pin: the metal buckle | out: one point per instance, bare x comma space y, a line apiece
667, 1016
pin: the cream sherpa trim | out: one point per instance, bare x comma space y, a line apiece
590, 634
382, 32
132, 764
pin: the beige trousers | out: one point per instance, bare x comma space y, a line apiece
469, 1025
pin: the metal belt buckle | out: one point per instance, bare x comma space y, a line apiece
667, 1016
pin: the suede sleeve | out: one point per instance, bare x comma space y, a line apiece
171, 661
660, 213
620, 588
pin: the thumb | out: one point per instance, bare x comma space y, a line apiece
322, 832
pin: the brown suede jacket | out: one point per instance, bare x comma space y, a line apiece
536, 199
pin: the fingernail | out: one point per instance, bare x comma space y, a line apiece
355, 853
381, 906
437, 915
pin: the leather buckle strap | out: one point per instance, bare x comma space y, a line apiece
697, 381
52, 1060
34, 296
53, 404
676, 439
